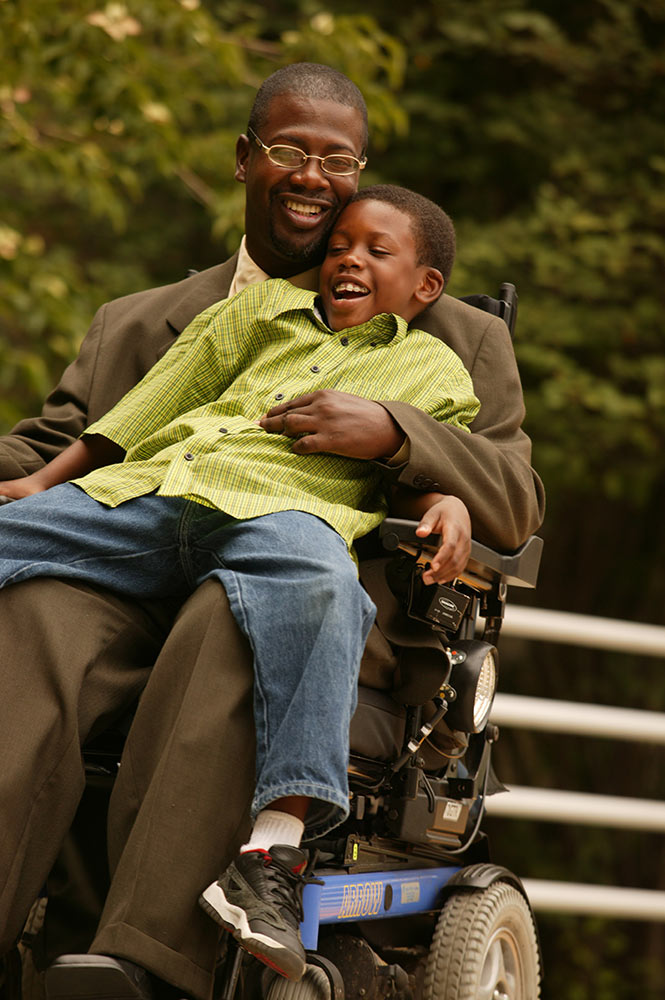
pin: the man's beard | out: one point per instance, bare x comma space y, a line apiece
310, 254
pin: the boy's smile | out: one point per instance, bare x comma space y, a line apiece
371, 267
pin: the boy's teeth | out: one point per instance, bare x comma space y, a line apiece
303, 209
348, 286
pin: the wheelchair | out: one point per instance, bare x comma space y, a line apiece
406, 902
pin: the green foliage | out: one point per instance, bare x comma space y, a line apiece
118, 125
540, 128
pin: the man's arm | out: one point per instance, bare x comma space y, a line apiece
489, 469
35, 441
126, 338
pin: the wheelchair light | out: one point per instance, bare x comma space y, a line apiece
474, 679
485, 689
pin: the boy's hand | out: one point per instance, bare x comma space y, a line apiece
16, 489
449, 518
337, 422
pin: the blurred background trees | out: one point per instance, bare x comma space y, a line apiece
540, 127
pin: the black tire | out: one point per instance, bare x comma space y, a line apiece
484, 948
314, 985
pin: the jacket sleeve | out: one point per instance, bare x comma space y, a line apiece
126, 338
193, 372
489, 469
35, 441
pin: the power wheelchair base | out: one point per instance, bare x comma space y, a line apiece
409, 905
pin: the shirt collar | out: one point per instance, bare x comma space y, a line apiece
385, 326
248, 272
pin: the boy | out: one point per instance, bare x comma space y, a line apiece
215, 493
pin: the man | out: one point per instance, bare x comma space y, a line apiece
188, 765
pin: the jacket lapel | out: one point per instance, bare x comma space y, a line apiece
198, 292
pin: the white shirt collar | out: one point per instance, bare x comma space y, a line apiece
249, 273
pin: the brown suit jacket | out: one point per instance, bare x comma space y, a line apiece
489, 470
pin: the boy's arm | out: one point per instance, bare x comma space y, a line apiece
193, 372
186, 376
34, 441
124, 341
441, 515
80, 458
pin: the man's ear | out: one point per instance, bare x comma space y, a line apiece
242, 155
430, 287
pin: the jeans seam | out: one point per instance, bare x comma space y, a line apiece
187, 516
17, 577
232, 586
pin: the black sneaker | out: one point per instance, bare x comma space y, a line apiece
259, 899
89, 977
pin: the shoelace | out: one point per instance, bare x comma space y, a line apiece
286, 885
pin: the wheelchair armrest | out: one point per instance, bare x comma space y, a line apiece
518, 569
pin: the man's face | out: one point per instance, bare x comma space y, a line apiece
289, 212
371, 267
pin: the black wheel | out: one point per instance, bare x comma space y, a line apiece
484, 948
314, 985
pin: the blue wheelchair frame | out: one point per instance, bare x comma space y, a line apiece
371, 896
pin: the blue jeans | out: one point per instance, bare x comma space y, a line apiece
293, 590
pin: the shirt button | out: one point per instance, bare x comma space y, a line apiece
188, 456
315, 368
279, 395
223, 430
344, 341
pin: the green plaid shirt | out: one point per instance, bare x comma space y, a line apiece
189, 427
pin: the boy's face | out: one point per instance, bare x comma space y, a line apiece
371, 267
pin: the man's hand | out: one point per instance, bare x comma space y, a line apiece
337, 422
449, 518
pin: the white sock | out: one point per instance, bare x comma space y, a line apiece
274, 827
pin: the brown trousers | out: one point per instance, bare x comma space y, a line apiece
72, 659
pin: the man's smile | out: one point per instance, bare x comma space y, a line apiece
306, 208
303, 211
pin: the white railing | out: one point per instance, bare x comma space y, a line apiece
579, 719
548, 715
585, 630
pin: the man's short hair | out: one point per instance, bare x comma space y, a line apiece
308, 80
433, 230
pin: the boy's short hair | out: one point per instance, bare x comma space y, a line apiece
433, 230
306, 79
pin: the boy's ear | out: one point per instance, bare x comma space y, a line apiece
430, 287
242, 155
